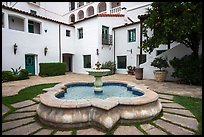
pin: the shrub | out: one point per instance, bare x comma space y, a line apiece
16, 72
23, 74
7, 76
160, 63
109, 65
188, 69
52, 69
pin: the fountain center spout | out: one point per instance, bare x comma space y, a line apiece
98, 65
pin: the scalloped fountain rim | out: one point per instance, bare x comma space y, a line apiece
103, 113
50, 98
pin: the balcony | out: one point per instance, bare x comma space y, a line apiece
106, 39
115, 10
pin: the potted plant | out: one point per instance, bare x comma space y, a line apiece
130, 70
159, 62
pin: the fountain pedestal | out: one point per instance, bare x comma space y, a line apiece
98, 85
98, 74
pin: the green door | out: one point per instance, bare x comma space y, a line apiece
30, 63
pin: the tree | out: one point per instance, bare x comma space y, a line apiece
173, 21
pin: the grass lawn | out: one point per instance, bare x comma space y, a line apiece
194, 105
25, 94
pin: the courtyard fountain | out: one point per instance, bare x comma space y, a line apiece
98, 73
100, 104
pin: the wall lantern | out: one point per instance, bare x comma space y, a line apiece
45, 51
15, 48
97, 52
130, 51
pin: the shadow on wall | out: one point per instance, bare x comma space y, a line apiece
178, 51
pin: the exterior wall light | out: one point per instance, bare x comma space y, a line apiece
15, 48
97, 52
130, 51
45, 51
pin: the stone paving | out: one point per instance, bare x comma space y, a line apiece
175, 120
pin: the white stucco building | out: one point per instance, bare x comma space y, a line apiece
77, 33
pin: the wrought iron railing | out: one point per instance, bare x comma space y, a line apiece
115, 10
106, 39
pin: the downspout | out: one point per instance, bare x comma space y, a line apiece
59, 42
114, 48
140, 57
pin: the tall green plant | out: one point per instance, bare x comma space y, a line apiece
173, 21
109, 65
188, 69
160, 63
16, 72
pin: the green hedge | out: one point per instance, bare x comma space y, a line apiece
11, 76
188, 69
52, 69
7, 76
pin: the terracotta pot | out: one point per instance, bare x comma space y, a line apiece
160, 76
139, 73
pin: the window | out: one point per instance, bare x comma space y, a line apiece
121, 62
132, 35
16, 23
159, 52
33, 12
68, 33
33, 27
105, 35
72, 6
144, 58
87, 61
80, 33
79, 4
2, 20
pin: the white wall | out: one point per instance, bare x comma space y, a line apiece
87, 45
122, 45
30, 43
177, 51
106, 51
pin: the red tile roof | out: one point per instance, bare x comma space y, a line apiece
110, 15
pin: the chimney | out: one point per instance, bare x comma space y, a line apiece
124, 11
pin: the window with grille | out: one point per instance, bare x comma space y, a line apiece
132, 35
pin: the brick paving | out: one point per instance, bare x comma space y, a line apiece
152, 130
165, 101
172, 105
5, 109
184, 121
30, 108
166, 96
19, 115
90, 131
12, 88
127, 130
179, 111
24, 130
16, 123
173, 129
63, 133
44, 132
23, 104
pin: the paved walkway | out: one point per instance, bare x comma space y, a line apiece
176, 119
12, 88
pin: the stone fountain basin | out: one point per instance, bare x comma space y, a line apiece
103, 113
98, 73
